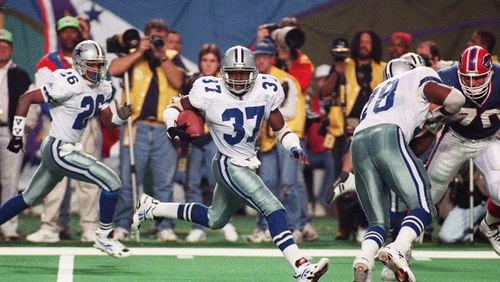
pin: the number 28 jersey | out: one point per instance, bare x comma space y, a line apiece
72, 103
400, 101
234, 121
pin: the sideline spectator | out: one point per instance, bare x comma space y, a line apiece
362, 72
14, 81
155, 80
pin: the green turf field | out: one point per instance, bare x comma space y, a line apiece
217, 260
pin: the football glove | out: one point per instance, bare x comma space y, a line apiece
298, 153
15, 144
179, 132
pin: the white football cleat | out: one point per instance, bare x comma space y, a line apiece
387, 274
363, 269
492, 233
144, 210
312, 272
343, 184
396, 261
106, 243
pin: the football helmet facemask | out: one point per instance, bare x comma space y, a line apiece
90, 62
475, 62
238, 70
396, 67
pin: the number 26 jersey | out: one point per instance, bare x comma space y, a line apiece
72, 103
234, 121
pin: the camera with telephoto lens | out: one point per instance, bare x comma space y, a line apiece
157, 42
291, 36
340, 49
124, 42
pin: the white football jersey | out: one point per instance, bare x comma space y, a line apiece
72, 103
234, 121
400, 101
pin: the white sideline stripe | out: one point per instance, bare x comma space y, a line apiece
65, 273
232, 252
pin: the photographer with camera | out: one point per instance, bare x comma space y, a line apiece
154, 81
362, 71
289, 38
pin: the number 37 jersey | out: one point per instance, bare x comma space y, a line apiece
400, 101
72, 103
234, 121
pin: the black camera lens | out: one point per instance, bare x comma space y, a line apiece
157, 42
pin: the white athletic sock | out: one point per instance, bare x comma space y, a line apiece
168, 210
490, 219
406, 236
292, 254
369, 249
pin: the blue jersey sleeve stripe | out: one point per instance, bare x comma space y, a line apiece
429, 78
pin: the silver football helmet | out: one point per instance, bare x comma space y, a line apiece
90, 62
240, 61
396, 67
414, 58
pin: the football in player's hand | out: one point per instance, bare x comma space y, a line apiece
194, 122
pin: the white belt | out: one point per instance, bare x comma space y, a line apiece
252, 163
462, 139
68, 147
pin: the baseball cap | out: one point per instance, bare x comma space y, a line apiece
6, 35
322, 71
67, 21
403, 36
264, 46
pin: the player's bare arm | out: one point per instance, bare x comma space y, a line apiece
31, 97
25, 101
450, 98
112, 120
286, 136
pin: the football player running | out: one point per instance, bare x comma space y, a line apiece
74, 96
234, 107
384, 162
474, 137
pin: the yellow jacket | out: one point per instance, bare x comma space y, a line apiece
296, 124
352, 89
140, 80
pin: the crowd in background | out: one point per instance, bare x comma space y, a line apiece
323, 106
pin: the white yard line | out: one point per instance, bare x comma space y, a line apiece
65, 273
233, 252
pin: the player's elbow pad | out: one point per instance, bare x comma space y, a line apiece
287, 138
170, 115
454, 101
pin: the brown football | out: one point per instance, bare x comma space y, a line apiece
195, 122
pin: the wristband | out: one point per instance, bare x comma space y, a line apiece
115, 119
18, 126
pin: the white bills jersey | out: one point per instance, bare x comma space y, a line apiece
400, 101
72, 103
234, 121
